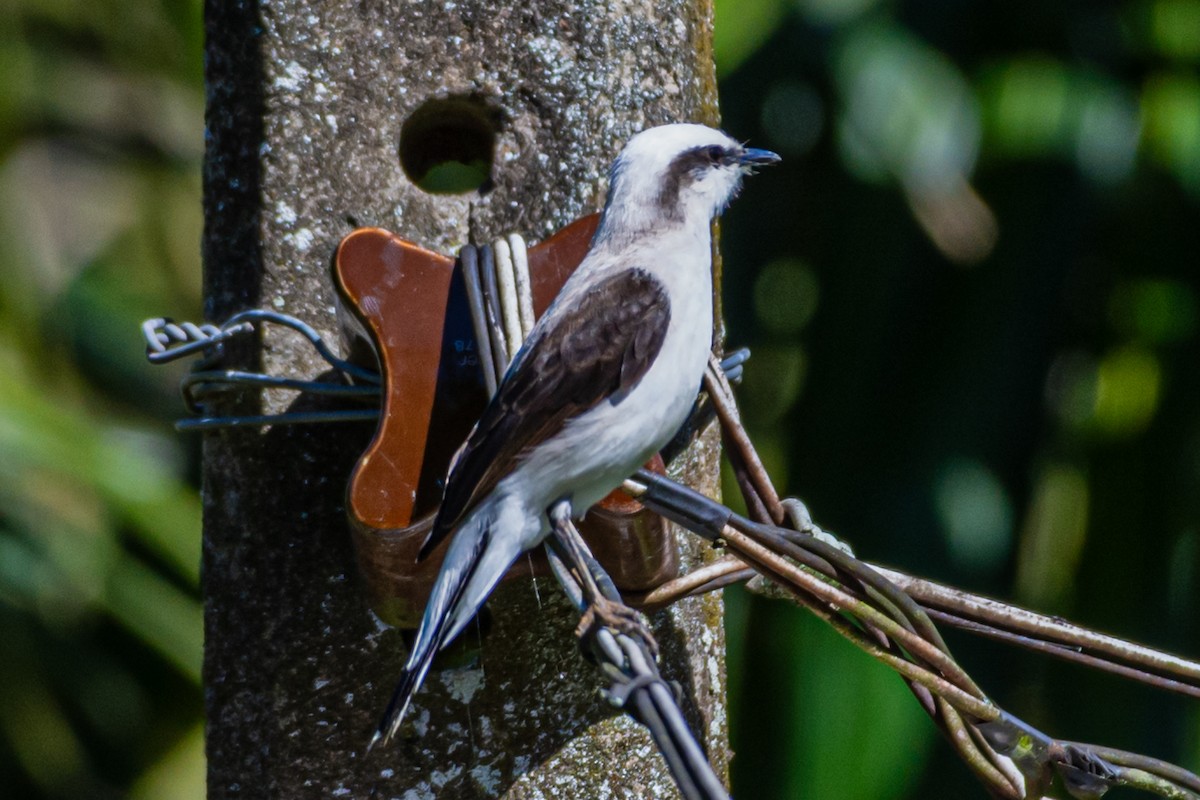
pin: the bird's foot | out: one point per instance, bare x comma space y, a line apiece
605, 613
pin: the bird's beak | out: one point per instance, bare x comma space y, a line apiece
752, 157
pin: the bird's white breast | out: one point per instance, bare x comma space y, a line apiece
598, 449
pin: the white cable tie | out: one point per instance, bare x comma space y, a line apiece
520, 259
506, 281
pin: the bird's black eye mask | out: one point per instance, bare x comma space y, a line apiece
696, 163
720, 156
702, 159
691, 166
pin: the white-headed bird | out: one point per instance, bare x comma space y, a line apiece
603, 381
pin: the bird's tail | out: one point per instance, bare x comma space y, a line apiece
475, 562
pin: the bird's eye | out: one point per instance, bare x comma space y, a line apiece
716, 154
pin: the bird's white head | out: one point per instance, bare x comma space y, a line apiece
675, 175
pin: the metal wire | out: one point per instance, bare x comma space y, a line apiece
197, 387
863, 603
637, 686
168, 341
1013, 759
213, 423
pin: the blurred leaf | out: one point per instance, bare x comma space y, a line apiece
740, 27
146, 37
1027, 101
163, 616
33, 723
793, 116
1036, 106
1175, 28
135, 471
1116, 396
834, 12
101, 135
18, 93
1155, 311
1171, 115
853, 706
828, 720
1128, 388
179, 775
785, 295
1052, 538
976, 514
908, 110
773, 380
151, 109
1071, 386
1181, 579
60, 208
1109, 130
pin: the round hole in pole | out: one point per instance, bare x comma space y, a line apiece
447, 145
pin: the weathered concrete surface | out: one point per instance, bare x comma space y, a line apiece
306, 104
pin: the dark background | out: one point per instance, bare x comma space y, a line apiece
971, 293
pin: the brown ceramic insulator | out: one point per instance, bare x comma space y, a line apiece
630, 541
414, 306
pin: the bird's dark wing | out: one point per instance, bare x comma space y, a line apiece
602, 348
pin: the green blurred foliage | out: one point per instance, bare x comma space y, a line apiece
972, 293
101, 135
971, 290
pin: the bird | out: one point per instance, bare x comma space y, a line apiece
604, 379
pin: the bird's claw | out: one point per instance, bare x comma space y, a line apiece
618, 617
733, 362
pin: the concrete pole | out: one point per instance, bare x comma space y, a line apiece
307, 110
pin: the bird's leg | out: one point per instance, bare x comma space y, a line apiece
601, 602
